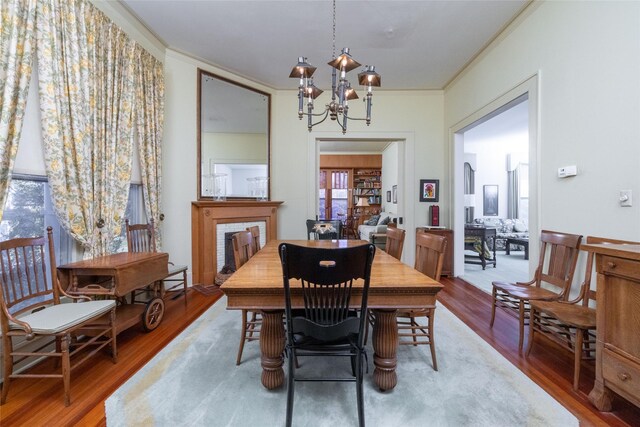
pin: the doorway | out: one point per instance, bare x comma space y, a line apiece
500, 192
496, 161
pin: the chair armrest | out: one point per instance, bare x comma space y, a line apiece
73, 297
526, 283
16, 322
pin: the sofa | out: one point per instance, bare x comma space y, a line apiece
506, 228
375, 224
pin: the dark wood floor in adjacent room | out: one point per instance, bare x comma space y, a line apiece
39, 402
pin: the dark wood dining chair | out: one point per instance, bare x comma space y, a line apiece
30, 308
141, 238
430, 250
327, 326
255, 235
243, 243
571, 324
395, 242
323, 230
556, 267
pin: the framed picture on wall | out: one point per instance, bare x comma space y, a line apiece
429, 190
490, 200
395, 193
388, 196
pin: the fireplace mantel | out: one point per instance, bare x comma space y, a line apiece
205, 217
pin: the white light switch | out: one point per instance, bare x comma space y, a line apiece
625, 198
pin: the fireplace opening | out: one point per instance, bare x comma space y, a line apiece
229, 260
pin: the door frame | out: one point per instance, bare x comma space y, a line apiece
406, 173
528, 88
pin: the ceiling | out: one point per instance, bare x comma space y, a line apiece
413, 44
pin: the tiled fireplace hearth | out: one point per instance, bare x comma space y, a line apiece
211, 220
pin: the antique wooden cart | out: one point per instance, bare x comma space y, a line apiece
119, 276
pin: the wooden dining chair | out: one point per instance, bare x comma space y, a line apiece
141, 238
30, 308
255, 235
572, 324
243, 243
323, 230
556, 267
395, 242
430, 249
327, 326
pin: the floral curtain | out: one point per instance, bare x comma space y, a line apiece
85, 66
149, 120
17, 40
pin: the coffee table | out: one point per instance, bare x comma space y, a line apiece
521, 241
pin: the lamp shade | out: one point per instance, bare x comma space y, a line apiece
350, 93
362, 202
369, 77
469, 199
312, 91
344, 61
302, 69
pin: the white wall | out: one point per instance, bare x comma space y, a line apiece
389, 176
491, 163
588, 60
180, 149
413, 116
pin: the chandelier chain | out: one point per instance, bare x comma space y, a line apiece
334, 28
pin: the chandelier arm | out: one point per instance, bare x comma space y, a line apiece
326, 114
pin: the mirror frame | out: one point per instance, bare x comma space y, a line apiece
202, 73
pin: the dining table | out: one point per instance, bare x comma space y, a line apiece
258, 285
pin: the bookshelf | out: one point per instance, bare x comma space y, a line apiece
367, 183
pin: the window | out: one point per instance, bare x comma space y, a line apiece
333, 194
29, 211
134, 213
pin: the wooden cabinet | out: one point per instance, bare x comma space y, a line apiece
618, 323
447, 265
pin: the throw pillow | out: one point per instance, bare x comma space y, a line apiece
384, 221
373, 220
519, 227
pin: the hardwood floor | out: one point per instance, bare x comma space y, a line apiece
39, 402
549, 365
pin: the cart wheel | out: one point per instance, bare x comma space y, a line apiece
153, 314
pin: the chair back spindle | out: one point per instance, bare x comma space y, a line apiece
559, 251
140, 237
24, 278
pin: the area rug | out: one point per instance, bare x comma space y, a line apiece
194, 382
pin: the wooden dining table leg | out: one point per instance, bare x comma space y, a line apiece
385, 347
272, 342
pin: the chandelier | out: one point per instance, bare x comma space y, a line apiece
341, 90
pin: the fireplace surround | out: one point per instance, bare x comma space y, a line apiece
207, 217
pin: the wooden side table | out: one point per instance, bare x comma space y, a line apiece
447, 265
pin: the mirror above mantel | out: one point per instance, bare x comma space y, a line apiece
233, 140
